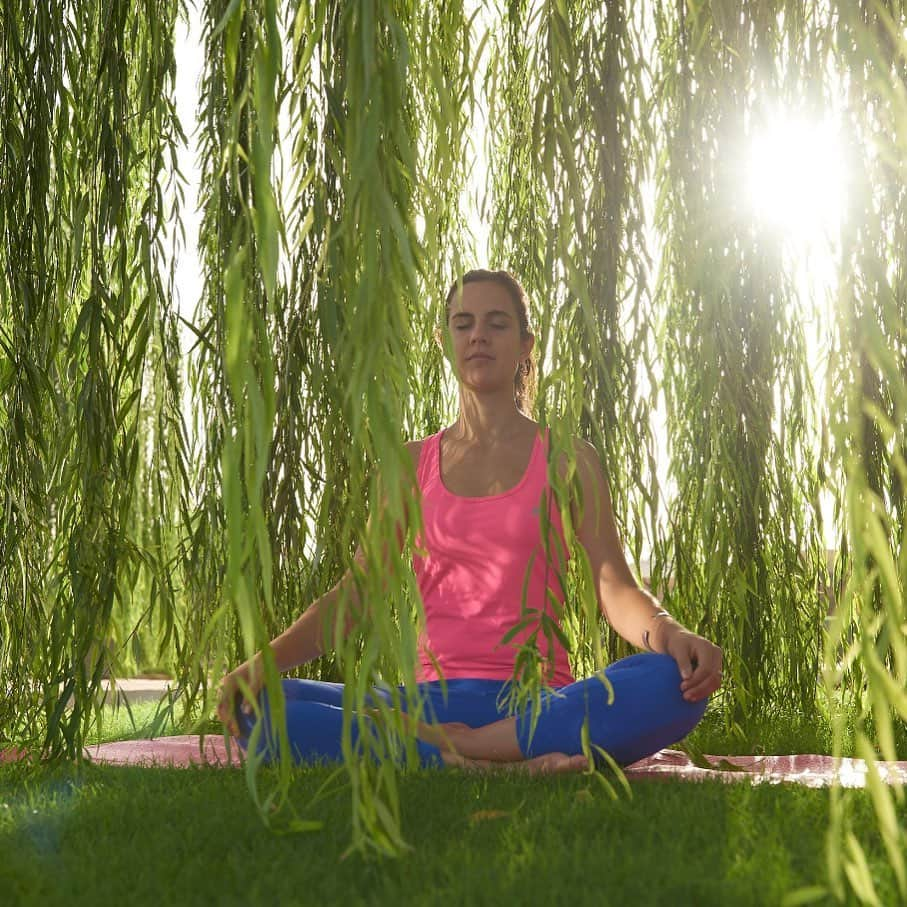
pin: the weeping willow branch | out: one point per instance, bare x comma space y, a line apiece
728, 340
124, 543
866, 648
84, 307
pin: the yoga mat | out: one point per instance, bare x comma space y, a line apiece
805, 769
164, 751
171, 751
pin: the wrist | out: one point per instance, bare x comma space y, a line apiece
656, 634
664, 632
249, 669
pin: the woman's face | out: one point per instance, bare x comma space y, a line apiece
486, 346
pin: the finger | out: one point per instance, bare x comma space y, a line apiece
233, 725
686, 667
694, 676
697, 694
706, 664
707, 686
227, 715
230, 724
703, 671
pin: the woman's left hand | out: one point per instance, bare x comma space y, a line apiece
699, 660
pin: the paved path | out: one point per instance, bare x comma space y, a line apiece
132, 690
136, 689
186, 749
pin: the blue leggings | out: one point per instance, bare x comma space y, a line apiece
648, 713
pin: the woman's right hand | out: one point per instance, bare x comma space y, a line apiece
230, 694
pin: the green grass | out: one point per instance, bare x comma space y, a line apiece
141, 721
110, 835
106, 835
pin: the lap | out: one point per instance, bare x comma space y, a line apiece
632, 707
641, 681
470, 701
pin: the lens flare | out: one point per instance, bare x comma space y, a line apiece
796, 177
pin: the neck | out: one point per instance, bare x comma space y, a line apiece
488, 419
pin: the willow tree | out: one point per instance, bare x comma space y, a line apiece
743, 550
336, 144
866, 652
91, 385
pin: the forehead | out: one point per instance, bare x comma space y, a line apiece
481, 297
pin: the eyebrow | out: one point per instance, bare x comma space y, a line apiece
491, 314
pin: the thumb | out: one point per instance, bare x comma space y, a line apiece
679, 649
685, 665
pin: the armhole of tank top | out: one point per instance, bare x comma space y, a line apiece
550, 497
425, 458
546, 453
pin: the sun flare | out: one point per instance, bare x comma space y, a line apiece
796, 177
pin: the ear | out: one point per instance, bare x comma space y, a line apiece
439, 340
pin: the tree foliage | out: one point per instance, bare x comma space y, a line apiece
336, 148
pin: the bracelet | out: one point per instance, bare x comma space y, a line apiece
645, 633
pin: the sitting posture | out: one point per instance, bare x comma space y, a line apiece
481, 485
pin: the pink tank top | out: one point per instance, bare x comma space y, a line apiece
472, 577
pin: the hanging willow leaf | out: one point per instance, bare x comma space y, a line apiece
336, 144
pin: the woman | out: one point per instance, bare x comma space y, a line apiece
481, 484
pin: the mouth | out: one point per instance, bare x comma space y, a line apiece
478, 356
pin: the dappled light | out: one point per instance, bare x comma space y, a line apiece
191, 463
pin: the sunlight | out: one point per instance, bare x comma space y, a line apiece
796, 177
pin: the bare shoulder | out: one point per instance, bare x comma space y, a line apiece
585, 456
415, 449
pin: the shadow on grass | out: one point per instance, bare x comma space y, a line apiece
105, 835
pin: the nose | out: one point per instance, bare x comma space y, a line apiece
478, 334
478, 345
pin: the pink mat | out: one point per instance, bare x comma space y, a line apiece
808, 770
172, 751
166, 751
805, 769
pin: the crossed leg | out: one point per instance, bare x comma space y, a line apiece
645, 713
492, 747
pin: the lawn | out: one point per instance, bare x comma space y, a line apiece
112, 835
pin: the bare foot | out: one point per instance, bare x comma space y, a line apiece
443, 736
549, 764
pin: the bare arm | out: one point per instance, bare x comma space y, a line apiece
631, 610
628, 608
302, 642
313, 633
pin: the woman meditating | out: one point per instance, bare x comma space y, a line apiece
481, 483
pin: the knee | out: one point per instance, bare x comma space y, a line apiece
662, 667
693, 712
686, 714
662, 679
